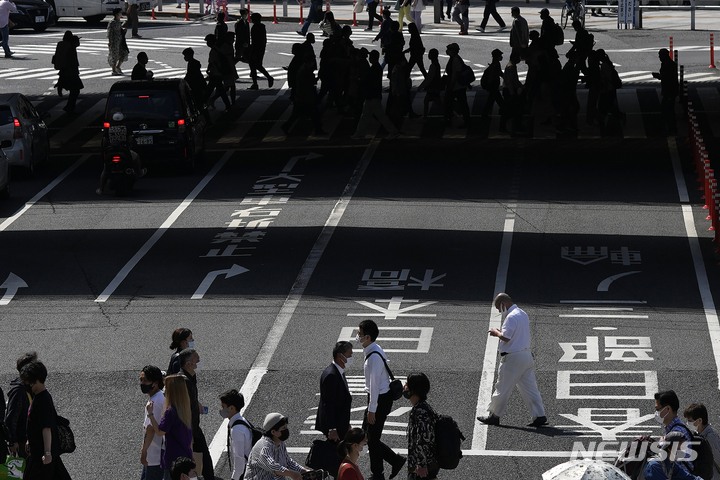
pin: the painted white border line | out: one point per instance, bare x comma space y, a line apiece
487, 377
262, 361
711, 315
10, 220
123, 273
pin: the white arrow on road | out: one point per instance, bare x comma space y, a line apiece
210, 277
11, 283
291, 163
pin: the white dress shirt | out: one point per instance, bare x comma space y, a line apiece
6, 8
516, 327
240, 445
155, 449
377, 380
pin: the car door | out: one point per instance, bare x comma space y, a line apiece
30, 120
41, 131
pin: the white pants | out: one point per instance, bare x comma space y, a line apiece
373, 108
517, 368
416, 17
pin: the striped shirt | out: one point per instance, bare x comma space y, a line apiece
266, 458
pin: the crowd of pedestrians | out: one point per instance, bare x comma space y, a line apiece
350, 79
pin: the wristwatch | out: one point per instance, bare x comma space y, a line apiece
48, 454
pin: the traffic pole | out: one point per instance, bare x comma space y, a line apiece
187, 10
354, 24
275, 22
671, 47
301, 16
712, 51
153, 15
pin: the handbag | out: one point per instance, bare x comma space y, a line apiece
314, 475
323, 456
396, 386
65, 434
14, 467
359, 6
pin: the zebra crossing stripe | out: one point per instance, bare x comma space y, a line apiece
249, 116
39, 72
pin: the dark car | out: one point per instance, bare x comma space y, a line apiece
161, 120
34, 14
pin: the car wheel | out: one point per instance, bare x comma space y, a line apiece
95, 18
40, 29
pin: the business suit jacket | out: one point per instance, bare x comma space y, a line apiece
335, 402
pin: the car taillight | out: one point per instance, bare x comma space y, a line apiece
17, 132
116, 159
181, 125
106, 125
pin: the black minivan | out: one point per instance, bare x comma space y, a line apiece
160, 115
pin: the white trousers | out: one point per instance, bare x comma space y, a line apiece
517, 369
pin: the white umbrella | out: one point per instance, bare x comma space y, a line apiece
585, 470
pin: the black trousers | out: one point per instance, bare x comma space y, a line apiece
35, 469
379, 452
372, 7
667, 109
491, 10
200, 446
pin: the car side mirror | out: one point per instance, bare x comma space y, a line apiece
5, 144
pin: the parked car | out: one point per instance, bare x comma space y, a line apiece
35, 14
4, 170
162, 122
25, 128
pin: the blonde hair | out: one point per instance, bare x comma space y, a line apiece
176, 395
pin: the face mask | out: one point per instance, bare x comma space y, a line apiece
658, 418
284, 435
348, 361
358, 338
407, 394
191, 344
146, 388
694, 427
224, 413
503, 311
363, 450
193, 478
197, 365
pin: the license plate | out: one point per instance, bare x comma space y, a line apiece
118, 129
39, 19
146, 140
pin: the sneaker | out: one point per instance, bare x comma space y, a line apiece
479, 29
300, 33
254, 86
490, 420
502, 29
119, 70
8, 55
368, 29
271, 80
538, 422
137, 36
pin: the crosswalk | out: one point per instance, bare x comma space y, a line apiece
257, 121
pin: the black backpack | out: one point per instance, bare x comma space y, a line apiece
255, 432
448, 440
466, 76
703, 465
558, 34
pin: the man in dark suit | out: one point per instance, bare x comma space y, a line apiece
333, 417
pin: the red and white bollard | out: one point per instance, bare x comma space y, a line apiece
275, 22
354, 24
153, 15
712, 51
671, 47
302, 17
187, 10
327, 6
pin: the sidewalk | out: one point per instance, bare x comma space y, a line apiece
289, 11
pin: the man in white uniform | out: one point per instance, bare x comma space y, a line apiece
517, 366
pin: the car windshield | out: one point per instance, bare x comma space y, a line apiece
6, 116
159, 104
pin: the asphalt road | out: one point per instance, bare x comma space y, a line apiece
589, 235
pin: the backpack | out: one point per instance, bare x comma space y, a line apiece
448, 438
558, 34
255, 432
628, 460
466, 76
616, 81
703, 465
65, 435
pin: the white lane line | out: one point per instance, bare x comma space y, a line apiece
604, 309
488, 368
605, 301
123, 273
600, 316
10, 220
711, 315
262, 361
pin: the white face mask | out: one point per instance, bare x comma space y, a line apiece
363, 450
695, 426
191, 344
357, 338
659, 419
197, 366
348, 361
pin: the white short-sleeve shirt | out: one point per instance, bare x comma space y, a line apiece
155, 448
516, 327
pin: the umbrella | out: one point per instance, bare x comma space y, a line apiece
585, 470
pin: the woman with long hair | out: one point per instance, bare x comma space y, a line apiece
176, 421
182, 338
354, 443
116, 42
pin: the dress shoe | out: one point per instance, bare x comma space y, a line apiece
490, 420
397, 467
538, 422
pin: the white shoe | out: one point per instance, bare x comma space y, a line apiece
480, 29
501, 29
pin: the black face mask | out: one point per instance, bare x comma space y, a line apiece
146, 388
407, 394
284, 435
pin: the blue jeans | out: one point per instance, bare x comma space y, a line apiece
5, 32
314, 15
152, 473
